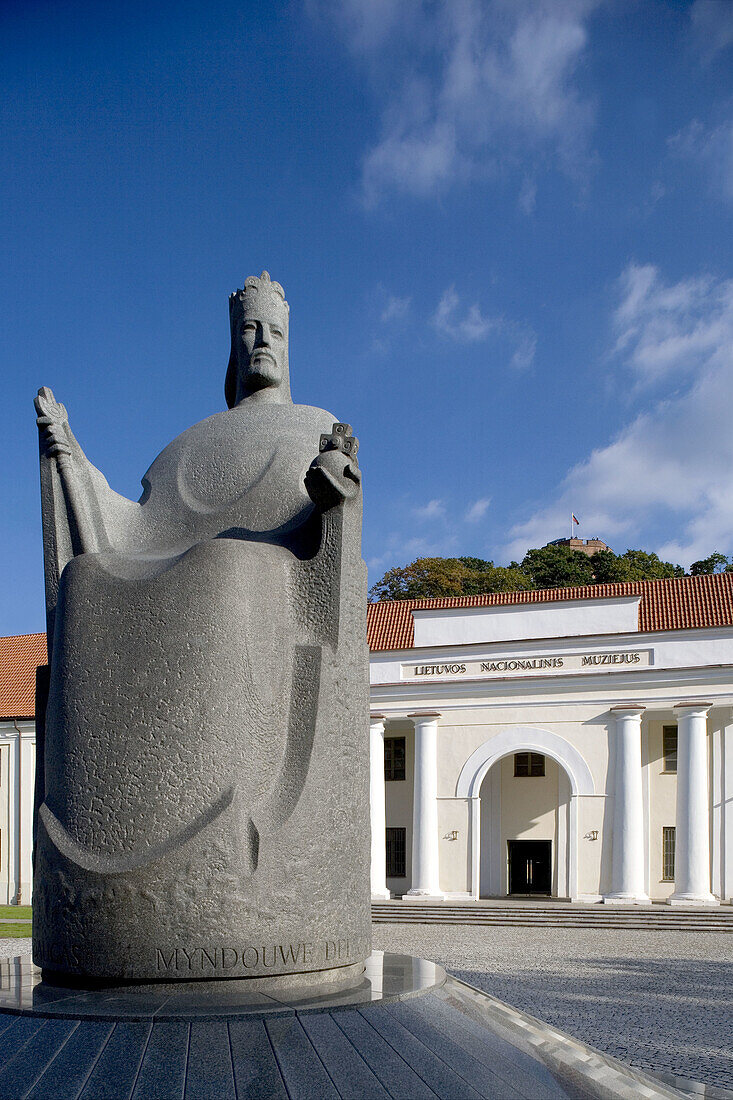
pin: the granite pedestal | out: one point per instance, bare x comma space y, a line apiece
407, 1030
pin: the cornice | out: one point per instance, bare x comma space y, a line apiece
587, 688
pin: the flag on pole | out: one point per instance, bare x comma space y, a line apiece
575, 519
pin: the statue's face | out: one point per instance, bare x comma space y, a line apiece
262, 345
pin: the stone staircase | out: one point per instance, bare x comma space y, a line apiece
556, 914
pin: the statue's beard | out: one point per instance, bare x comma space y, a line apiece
264, 369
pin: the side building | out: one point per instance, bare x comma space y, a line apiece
19, 658
575, 743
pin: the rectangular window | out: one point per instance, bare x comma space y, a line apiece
668, 853
394, 758
669, 748
529, 764
396, 847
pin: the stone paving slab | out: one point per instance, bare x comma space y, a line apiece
448, 1041
295, 1057
256, 1071
452, 1042
584, 1071
69, 1071
108, 1058
660, 1001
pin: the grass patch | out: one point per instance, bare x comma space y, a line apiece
15, 912
15, 931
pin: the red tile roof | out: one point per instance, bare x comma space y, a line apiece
19, 658
681, 603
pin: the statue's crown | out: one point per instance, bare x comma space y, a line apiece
254, 286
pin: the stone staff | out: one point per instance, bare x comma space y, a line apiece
52, 423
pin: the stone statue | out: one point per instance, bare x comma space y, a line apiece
202, 784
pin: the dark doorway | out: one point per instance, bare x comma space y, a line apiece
530, 867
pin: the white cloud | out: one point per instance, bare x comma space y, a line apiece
468, 324
471, 327
417, 154
671, 465
395, 308
478, 510
648, 203
527, 196
446, 309
524, 355
669, 329
656, 192
400, 551
467, 86
434, 509
366, 25
709, 148
712, 24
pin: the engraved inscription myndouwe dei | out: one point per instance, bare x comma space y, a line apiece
271, 956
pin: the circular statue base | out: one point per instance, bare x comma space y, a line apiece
26, 991
406, 1029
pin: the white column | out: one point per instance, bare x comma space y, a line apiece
10, 835
475, 847
425, 856
627, 865
727, 810
27, 773
377, 808
692, 829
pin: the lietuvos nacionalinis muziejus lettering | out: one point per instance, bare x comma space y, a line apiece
513, 664
203, 776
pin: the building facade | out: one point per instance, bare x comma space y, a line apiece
575, 743
19, 658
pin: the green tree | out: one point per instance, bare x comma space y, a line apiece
505, 578
422, 578
716, 563
429, 577
556, 566
553, 566
634, 565
608, 567
483, 576
649, 567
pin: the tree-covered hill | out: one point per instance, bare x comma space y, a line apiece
553, 566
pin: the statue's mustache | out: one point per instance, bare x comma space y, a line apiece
262, 354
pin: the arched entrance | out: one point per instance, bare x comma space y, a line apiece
546, 812
524, 802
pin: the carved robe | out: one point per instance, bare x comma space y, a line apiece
203, 775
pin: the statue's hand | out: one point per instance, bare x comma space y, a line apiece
334, 476
52, 420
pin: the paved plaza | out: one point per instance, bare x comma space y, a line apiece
661, 1001
405, 1030
9, 948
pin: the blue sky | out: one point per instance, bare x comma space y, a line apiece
503, 227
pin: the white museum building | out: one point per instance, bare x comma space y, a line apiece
575, 743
